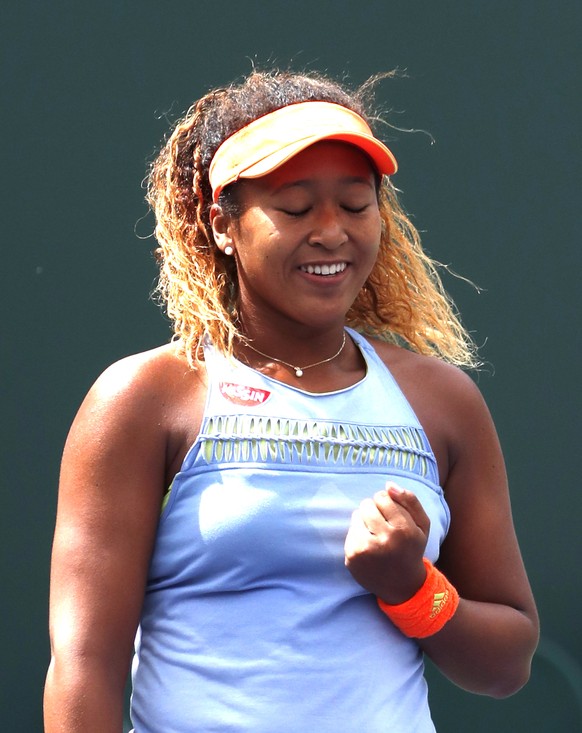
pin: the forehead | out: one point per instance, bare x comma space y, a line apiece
328, 160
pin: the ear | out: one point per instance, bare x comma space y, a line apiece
221, 227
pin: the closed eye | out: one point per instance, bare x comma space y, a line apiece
303, 212
356, 209
295, 213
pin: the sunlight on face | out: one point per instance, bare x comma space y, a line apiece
308, 234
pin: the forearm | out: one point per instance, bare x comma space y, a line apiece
485, 648
78, 699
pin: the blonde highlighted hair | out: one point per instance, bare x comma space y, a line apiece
403, 299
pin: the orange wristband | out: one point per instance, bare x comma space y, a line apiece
428, 610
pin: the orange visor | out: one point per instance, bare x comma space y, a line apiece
271, 140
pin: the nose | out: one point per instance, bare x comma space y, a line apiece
327, 228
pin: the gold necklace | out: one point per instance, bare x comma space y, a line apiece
299, 370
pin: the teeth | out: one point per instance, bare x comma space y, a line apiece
332, 269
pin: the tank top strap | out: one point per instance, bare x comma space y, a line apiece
380, 380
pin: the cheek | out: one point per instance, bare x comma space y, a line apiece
259, 254
374, 235
371, 246
255, 231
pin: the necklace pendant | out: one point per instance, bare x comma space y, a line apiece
298, 372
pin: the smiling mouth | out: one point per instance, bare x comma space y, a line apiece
332, 269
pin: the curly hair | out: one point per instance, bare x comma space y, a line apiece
403, 299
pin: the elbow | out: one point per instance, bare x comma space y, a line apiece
499, 683
510, 683
516, 672
515, 661
506, 671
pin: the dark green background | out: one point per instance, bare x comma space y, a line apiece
87, 91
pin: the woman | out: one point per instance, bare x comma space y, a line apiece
265, 499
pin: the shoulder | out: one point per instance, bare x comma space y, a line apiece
142, 398
427, 375
146, 380
445, 399
144, 375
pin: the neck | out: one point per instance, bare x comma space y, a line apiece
291, 349
283, 339
300, 368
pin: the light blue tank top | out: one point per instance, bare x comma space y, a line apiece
251, 621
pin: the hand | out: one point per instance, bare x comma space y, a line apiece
385, 544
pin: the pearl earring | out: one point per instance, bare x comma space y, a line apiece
228, 251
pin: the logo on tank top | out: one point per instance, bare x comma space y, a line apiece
241, 394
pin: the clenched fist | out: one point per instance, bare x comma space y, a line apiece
385, 544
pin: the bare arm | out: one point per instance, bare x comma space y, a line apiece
488, 645
496, 627
112, 481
